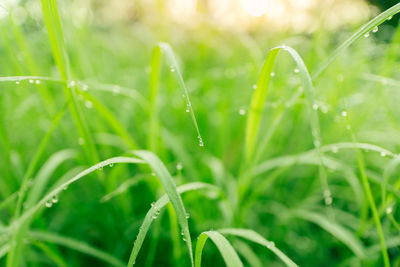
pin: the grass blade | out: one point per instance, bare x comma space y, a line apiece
366, 28
257, 238
370, 198
32, 211
225, 248
76, 245
335, 229
155, 210
167, 50
170, 188
257, 105
53, 25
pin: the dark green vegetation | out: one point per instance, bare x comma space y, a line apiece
116, 151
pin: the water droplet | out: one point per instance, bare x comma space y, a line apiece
152, 204
389, 18
37, 82
242, 111
383, 154
17, 82
85, 87
182, 233
272, 74
187, 109
111, 165
153, 174
201, 143
389, 209
65, 187
54, 199
335, 149
366, 35
71, 84
88, 104
172, 69
270, 245
296, 70
187, 215
375, 29
30, 81
344, 113
48, 204
348, 127
315, 106
328, 201
254, 86
179, 166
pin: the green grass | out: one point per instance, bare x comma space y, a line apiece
247, 143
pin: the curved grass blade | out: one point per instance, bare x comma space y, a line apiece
75, 245
257, 238
170, 188
122, 188
53, 193
83, 85
30, 79
366, 28
155, 210
44, 174
21, 224
257, 104
225, 248
334, 229
309, 157
167, 50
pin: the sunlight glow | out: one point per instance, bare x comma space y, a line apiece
255, 8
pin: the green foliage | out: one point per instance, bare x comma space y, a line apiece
73, 93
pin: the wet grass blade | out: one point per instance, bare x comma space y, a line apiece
154, 212
257, 105
366, 28
257, 238
225, 248
173, 195
61, 187
169, 54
